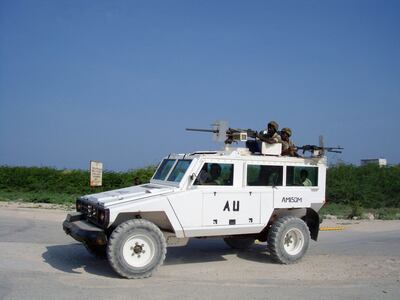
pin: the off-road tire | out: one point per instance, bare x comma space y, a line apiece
288, 239
99, 251
130, 262
239, 243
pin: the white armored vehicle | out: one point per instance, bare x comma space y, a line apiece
233, 194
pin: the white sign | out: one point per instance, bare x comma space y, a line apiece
96, 173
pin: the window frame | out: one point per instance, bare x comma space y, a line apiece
317, 179
208, 162
246, 174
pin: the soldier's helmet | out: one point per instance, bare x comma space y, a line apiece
274, 125
287, 130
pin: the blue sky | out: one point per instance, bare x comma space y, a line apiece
118, 81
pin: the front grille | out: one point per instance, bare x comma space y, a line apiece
90, 211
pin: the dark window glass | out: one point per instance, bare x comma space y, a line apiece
164, 169
215, 174
179, 170
259, 175
302, 176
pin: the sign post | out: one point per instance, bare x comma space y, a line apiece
96, 173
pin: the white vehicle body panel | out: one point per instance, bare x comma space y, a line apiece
128, 194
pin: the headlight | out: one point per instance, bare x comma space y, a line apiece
103, 216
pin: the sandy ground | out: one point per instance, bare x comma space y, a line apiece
37, 260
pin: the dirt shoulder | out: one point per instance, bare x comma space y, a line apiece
14, 205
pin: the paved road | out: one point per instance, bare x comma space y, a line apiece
38, 261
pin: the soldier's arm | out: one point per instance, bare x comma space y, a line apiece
265, 138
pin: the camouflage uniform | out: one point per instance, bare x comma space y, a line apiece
266, 137
288, 148
287, 144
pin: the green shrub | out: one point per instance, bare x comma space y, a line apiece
388, 213
72, 182
370, 186
336, 209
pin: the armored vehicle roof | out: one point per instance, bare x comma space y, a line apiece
232, 153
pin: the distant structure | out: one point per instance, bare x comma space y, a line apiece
376, 161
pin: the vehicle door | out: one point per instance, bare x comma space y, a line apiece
262, 181
225, 202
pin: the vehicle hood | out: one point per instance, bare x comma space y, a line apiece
133, 193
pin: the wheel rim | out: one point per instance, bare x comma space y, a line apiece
138, 250
293, 241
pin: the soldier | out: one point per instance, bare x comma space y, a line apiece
215, 175
288, 147
270, 135
305, 181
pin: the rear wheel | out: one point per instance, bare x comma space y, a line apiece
136, 248
240, 243
288, 239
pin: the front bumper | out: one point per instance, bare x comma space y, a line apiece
83, 231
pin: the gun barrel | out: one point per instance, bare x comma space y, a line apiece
202, 130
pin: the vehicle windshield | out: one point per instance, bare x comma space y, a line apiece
164, 168
179, 170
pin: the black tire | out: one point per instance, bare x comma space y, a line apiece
136, 248
240, 243
288, 240
100, 251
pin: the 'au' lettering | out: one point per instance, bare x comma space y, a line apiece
235, 206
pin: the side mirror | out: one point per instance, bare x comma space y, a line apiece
193, 176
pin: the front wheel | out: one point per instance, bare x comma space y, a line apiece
288, 239
136, 248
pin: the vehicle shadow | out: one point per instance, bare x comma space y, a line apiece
71, 258
213, 249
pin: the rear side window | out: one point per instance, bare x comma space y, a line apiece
260, 175
164, 169
302, 176
215, 174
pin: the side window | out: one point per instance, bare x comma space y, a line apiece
259, 175
215, 174
302, 176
